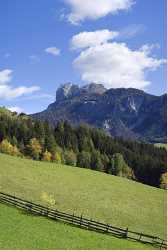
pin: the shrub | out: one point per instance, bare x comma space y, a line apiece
70, 158
163, 181
56, 157
7, 148
47, 156
48, 198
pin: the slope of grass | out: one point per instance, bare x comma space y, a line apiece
161, 145
103, 197
20, 231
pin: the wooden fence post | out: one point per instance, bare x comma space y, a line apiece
89, 224
162, 244
73, 218
127, 232
47, 212
107, 228
140, 237
55, 214
81, 221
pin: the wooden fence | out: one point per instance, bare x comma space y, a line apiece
82, 222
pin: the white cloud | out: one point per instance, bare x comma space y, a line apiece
53, 51
15, 109
88, 39
5, 76
115, 65
95, 9
8, 92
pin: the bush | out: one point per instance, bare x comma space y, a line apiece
163, 181
47, 156
70, 158
7, 148
56, 157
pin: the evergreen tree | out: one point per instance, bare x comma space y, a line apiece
84, 159
70, 158
96, 162
119, 167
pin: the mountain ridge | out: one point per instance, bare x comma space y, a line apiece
122, 112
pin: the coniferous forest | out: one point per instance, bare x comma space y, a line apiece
82, 146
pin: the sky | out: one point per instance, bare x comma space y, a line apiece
43, 44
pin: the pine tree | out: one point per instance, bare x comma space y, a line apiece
70, 158
84, 159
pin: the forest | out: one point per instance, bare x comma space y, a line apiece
82, 146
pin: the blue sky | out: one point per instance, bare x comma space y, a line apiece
29, 75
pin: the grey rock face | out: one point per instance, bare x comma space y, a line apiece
129, 113
66, 91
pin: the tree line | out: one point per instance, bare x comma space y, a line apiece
82, 146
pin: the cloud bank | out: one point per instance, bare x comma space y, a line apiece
8, 92
88, 39
113, 64
95, 9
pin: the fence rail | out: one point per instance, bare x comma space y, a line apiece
82, 222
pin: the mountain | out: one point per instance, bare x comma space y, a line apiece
128, 113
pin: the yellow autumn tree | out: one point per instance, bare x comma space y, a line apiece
56, 157
35, 149
163, 181
7, 148
47, 156
15, 151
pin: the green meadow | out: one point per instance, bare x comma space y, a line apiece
103, 197
20, 231
161, 145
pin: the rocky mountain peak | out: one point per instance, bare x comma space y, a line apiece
70, 90
66, 91
128, 113
94, 88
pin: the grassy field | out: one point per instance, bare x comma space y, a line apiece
103, 197
161, 145
20, 231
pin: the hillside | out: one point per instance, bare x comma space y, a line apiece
46, 234
81, 146
103, 197
129, 113
161, 145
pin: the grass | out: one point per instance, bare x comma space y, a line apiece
20, 231
111, 199
161, 145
